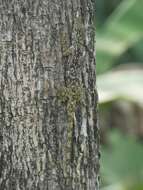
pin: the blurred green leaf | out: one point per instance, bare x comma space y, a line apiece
114, 187
126, 84
122, 30
122, 161
134, 185
104, 9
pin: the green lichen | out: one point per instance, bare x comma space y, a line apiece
79, 30
64, 40
70, 97
78, 38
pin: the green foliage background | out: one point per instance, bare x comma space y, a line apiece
119, 42
120, 35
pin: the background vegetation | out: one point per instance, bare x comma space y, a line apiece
120, 77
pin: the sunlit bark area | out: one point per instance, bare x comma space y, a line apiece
48, 100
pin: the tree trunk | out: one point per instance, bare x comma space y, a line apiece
48, 100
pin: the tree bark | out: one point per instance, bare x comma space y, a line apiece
48, 100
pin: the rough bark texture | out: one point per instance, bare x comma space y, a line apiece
48, 120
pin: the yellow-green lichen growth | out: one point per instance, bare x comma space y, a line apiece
64, 40
71, 97
79, 30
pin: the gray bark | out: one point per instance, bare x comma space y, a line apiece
48, 119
